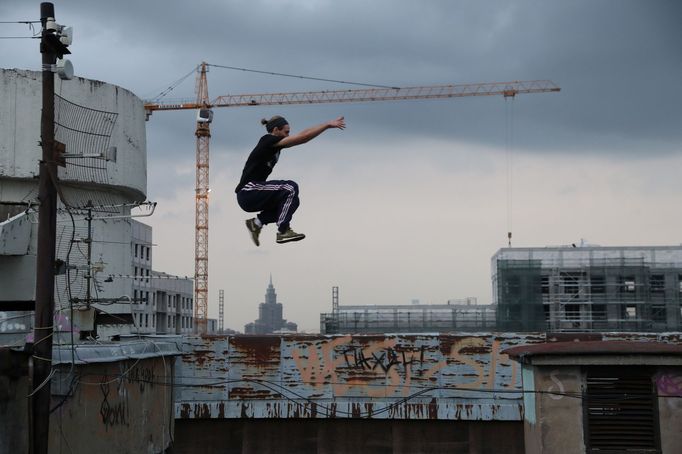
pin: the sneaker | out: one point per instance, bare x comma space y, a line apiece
288, 236
254, 230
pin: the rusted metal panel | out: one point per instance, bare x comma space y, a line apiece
397, 376
402, 376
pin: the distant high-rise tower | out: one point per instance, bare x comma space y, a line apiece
269, 316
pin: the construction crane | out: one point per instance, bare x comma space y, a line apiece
203, 134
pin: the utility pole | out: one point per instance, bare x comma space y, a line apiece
51, 48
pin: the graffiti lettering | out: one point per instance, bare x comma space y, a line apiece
143, 376
116, 413
355, 357
346, 367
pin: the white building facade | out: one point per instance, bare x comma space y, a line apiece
105, 254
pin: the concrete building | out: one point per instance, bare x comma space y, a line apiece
106, 397
106, 276
270, 316
588, 288
601, 396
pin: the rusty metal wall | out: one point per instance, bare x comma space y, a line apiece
429, 376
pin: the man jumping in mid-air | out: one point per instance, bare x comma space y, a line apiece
276, 200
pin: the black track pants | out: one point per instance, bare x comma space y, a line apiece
277, 200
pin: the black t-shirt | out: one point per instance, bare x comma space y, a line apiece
261, 161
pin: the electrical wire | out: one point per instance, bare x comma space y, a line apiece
327, 410
173, 85
271, 73
45, 382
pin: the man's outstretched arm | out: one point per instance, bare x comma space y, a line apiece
310, 133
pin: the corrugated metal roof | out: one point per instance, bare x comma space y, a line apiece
145, 347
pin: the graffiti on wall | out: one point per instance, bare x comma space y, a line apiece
114, 408
391, 366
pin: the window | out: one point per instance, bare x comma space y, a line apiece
629, 284
146, 298
631, 311
544, 285
136, 250
598, 285
572, 311
571, 282
658, 313
146, 319
657, 284
135, 297
599, 312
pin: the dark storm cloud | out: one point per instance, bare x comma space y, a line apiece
617, 61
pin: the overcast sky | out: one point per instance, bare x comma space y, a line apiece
414, 197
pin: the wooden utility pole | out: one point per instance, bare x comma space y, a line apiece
50, 48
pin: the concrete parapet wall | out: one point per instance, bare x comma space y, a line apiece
448, 377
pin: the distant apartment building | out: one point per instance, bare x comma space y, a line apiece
270, 316
588, 288
161, 303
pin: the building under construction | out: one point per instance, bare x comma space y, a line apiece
552, 289
588, 288
455, 315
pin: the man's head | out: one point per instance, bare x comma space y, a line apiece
277, 126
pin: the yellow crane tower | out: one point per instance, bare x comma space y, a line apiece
203, 134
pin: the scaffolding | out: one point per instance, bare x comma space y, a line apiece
587, 295
456, 315
559, 289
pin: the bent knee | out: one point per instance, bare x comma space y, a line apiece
291, 186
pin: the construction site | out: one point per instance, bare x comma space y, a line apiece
552, 289
586, 289
579, 351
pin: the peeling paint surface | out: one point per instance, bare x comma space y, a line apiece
394, 376
425, 376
